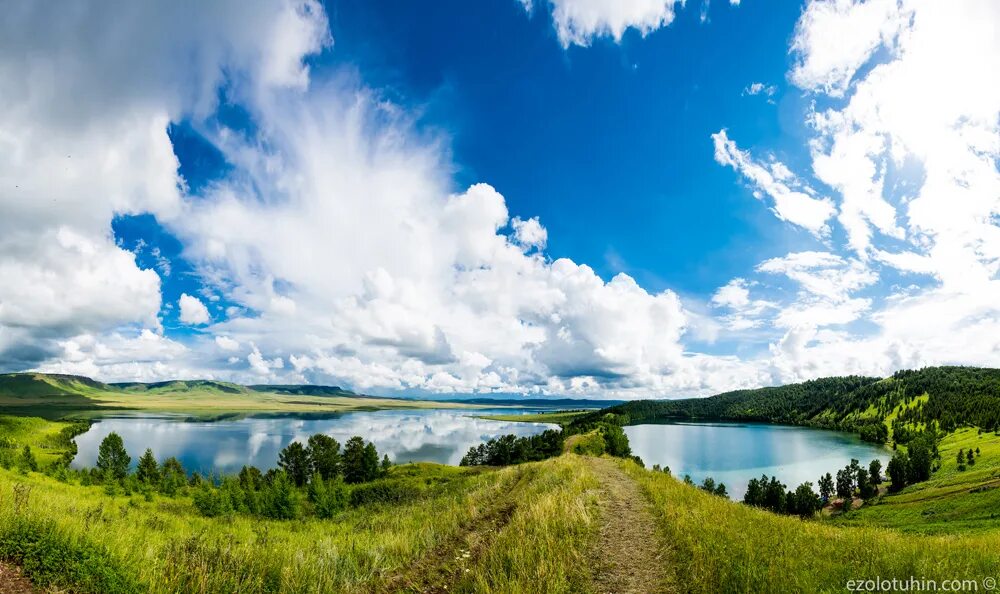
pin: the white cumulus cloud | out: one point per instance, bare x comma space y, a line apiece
192, 310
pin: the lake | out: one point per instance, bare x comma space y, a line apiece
734, 453
427, 435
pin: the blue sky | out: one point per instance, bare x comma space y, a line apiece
561, 131
607, 199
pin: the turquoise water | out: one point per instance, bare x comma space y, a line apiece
734, 453
436, 435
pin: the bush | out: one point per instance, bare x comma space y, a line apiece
279, 499
51, 557
211, 502
328, 497
385, 491
589, 444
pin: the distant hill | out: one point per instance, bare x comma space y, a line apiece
557, 402
33, 385
949, 397
182, 386
44, 387
302, 390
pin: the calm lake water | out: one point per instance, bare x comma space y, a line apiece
437, 435
734, 453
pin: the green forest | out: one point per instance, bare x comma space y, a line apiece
946, 397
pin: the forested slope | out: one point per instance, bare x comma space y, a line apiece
949, 397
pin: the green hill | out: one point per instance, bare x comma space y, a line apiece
182, 386
949, 397
302, 390
35, 385
55, 396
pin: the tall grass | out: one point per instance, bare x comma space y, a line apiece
543, 547
721, 546
164, 545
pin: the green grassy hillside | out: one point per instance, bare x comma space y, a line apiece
952, 501
721, 546
465, 532
560, 525
54, 396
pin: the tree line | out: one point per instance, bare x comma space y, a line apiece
315, 478
608, 438
955, 397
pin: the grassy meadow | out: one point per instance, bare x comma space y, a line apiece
466, 531
720, 546
564, 524
556, 417
54, 396
953, 501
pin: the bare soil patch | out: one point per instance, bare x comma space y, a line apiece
628, 556
12, 580
442, 567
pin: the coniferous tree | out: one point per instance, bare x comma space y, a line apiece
294, 460
370, 462
875, 472
112, 459
172, 476
324, 453
806, 501
774, 495
148, 471
353, 461
280, 499
826, 486
971, 458
920, 452
898, 471
250, 478
27, 461
845, 482
755, 493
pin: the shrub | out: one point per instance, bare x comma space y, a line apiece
385, 491
51, 557
211, 502
589, 444
328, 497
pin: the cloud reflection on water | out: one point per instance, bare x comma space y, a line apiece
225, 446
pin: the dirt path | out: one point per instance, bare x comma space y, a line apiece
628, 556
12, 581
444, 565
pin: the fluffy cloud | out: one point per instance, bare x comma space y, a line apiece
907, 132
193, 311
834, 38
145, 356
794, 201
83, 138
227, 344
426, 290
344, 253
579, 22
529, 233
734, 294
